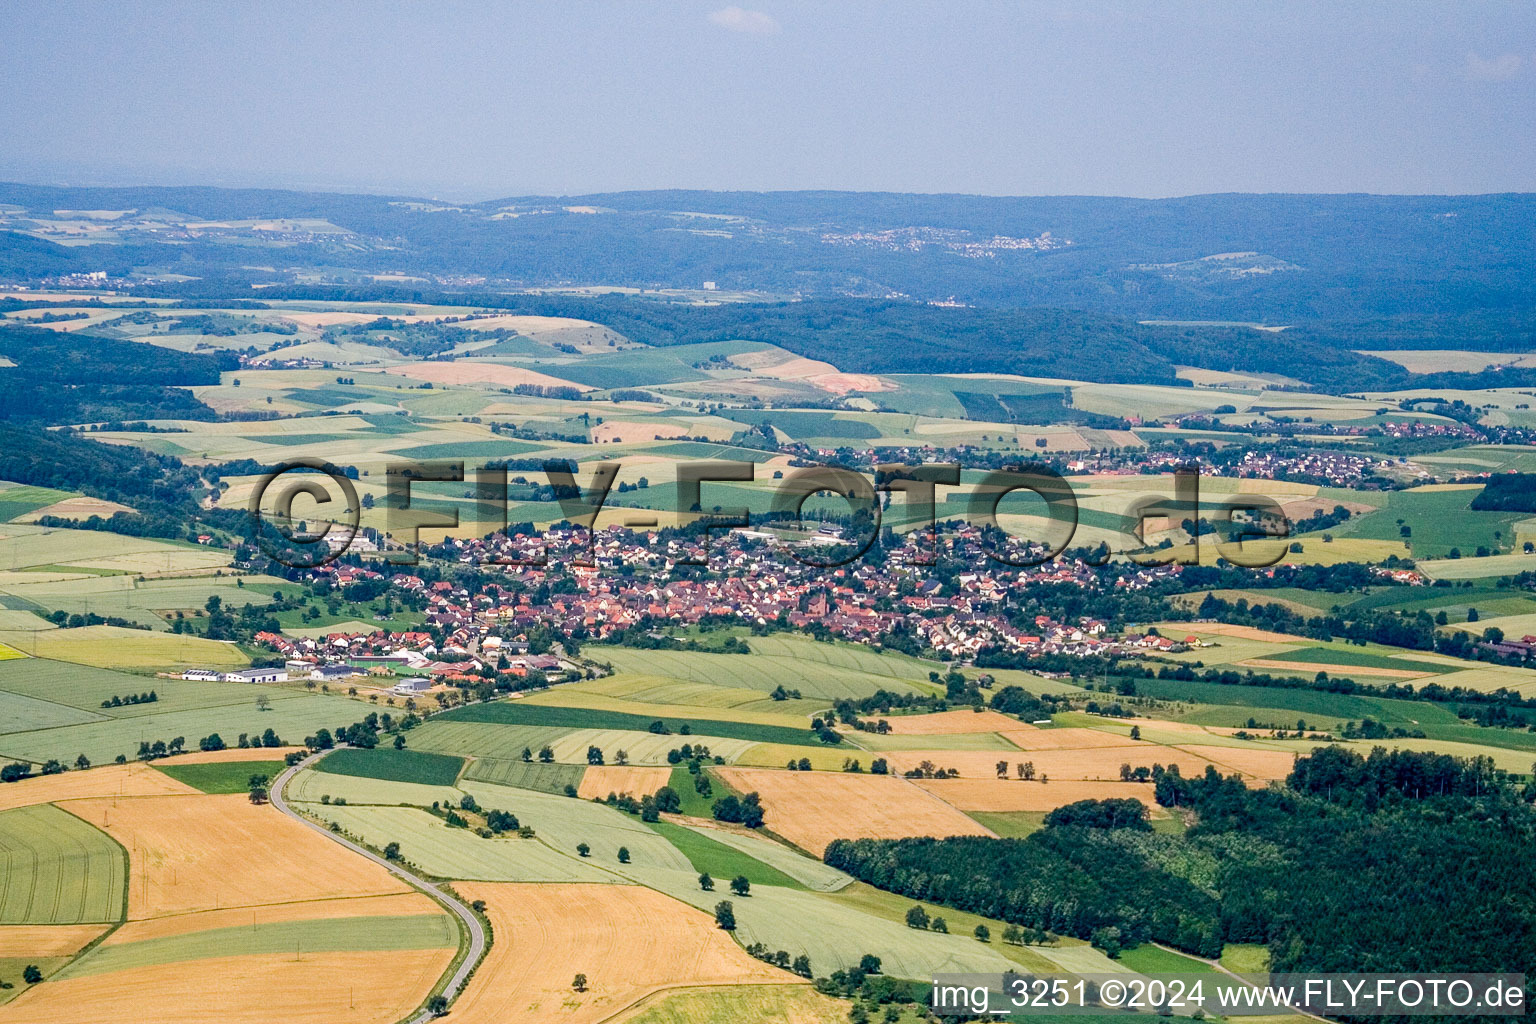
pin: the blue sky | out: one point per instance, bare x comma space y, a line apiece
477, 100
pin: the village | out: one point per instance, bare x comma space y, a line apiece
565, 584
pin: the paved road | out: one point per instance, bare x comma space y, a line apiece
476, 932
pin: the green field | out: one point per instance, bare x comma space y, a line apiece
694, 805
294, 938
1339, 655
429, 844
1323, 709
808, 872
826, 671
722, 862
190, 710
58, 870
1010, 824
1438, 521
545, 778
22, 500
521, 713
394, 765
1154, 960
222, 776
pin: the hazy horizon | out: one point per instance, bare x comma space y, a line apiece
474, 101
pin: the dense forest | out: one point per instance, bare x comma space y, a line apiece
1507, 492
1300, 257
76, 377
1397, 862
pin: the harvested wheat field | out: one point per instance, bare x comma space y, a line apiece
1258, 763
842, 383
191, 853
19, 941
232, 754
114, 780
404, 904
811, 809
600, 780
952, 723
468, 371
1068, 738
1016, 795
315, 988
629, 941
1236, 632
635, 430
1097, 763
79, 507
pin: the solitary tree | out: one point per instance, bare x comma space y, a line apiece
938, 924
740, 886
263, 702
583, 849
725, 915
392, 851
546, 755
579, 983
706, 883
1002, 769
437, 1005
1135, 732
869, 963
983, 933
623, 855
31, 975
82, 762
917, 917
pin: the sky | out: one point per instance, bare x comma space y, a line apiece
482, 100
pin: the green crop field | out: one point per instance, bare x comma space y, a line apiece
221, 776
694, 804
1438, 521
427, 842
477, 739
807, 872
823, 671
1154, 960
57, 869
416, 766
1341, 655
721, 862
311, 786
546, 778
522, 713
186, 709
1322, 708
294, 938
22, 500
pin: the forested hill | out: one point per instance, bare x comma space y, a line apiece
1270, 258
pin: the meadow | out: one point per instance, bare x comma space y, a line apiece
394, 765
221, 776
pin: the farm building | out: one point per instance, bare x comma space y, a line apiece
255, 675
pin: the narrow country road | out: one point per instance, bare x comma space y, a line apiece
476, 932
